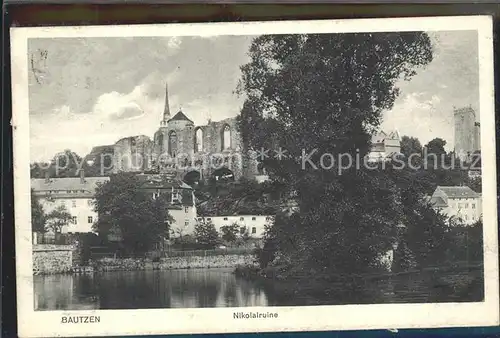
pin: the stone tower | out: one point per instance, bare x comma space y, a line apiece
465, 132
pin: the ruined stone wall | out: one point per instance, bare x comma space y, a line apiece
133, 154
213, 134
240, 163
52, 259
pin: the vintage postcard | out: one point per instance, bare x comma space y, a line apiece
255, 177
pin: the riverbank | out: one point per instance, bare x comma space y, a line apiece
59, 261
444, 284
172, 263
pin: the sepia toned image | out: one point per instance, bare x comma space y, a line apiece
257, 171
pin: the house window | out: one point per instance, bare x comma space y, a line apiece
90, 220
242, 218
186, 223
473, 217
73, 203
225, 218
254, 230
466, 205
242, 230
209, 219
199, 218
268, 218
186, 209
254, 218
473, 205
63, 202
69, 191
73, 219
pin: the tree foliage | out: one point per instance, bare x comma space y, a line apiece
206, 235
327, 92
58, 218
410, 146
68, 164
127, 211
244, 197
38, 216
230, 233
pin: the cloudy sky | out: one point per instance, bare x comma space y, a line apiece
93, 91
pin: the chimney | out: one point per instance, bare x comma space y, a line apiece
47, 177
82, 176
166, 110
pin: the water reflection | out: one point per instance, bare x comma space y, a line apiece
220, 288
147, 289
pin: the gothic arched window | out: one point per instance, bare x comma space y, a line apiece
160, 141
226, 138
172, 144
198, 140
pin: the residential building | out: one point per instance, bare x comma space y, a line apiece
384, 145
255, 224
459, 202
180, 200
75, 193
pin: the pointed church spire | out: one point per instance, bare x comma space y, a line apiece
166, 111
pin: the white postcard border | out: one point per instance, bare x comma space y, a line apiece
220, 320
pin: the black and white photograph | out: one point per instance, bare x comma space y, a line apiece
248, 173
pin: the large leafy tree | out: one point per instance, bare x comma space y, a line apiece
58, 218
125, 210
327, 92
230, 232
411, 146
206, 235
38, 216
68, 164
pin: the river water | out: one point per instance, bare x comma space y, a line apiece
201, 288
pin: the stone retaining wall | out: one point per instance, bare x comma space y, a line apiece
224, 261
52, 259
196, 262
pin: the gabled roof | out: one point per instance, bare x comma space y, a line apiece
89, 185
180, 117
458, 191
380, 136
438, 202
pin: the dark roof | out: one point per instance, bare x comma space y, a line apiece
458, 191
438, 202
64, 184
180, 117
158, 181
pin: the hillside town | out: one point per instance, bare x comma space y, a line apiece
178, 135
301, 197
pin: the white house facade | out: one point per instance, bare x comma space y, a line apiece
460, 202
254, 224
75, 193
